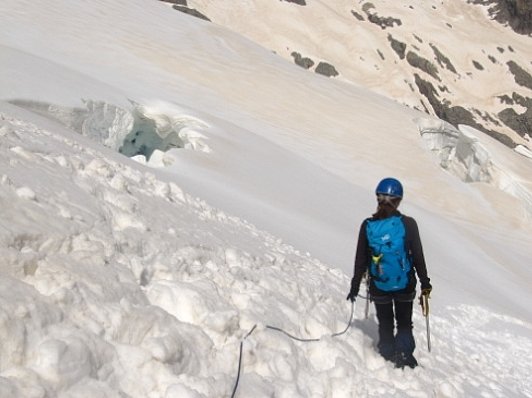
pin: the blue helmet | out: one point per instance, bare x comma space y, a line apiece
390, 187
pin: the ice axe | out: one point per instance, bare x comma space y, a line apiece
366, 311
424, 302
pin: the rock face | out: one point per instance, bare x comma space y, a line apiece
455, 115
442, 59
421, 63
323, 68
304, 62
517, 13
521, 76
190, 11
178, 2
326, 69
383, 22
398, 46
298, 2
521, 123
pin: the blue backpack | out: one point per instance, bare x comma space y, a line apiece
390, 263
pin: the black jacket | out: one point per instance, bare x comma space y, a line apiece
415, 251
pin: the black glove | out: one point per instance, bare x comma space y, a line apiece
353, 293
426, 288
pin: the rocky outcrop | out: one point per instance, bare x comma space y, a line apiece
516, 13
442, 59
398, 46
304, 62
191, 11
323, 68
298, 2
477, 65
383, 22
456, 114
326, 69
423, 64
178, 2
357, 15
520, 123
521, 76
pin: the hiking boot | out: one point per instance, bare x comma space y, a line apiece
402, 360
387, 350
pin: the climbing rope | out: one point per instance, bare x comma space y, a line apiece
289, 335
240, 359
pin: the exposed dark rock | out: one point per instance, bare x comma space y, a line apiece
520, 123
366, 7
505, 99
304, 62
423, 64
357, 16
418, 38
381, 54
383, 22
326, 69
455, 114
477, 65
449, 25
397, 46
488, 118
511, 49
178, 2
520, 100
492, 59
442, 59
501, 50
521, 76
428, 91
299, 2
191, 11
516, 13
458, 115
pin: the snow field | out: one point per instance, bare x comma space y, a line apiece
117, 283
103, 266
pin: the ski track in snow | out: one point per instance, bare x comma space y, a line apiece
117, 283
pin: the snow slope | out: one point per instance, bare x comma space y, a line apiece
123, 278
399, 49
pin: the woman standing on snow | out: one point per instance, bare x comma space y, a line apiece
389, 250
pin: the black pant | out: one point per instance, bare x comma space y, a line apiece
402, 342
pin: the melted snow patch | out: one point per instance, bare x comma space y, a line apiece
139, 132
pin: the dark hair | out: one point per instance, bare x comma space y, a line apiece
386, 208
